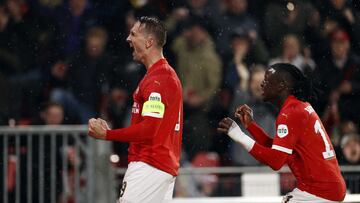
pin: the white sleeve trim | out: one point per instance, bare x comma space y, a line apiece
155, 115
282, 149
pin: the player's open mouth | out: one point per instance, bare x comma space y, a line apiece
132, 48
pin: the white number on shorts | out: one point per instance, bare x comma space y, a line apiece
319, 129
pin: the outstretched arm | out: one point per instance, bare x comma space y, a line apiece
139, 132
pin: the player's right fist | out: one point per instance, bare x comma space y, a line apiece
229, 127
245, 114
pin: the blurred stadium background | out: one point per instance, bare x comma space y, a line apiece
65, 61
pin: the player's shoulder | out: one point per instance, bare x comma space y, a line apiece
297, 109
164, 78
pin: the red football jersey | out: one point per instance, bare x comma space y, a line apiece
159, 95
312, 159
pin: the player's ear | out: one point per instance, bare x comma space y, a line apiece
149, 42
282, 85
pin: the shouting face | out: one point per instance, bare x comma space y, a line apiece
137, 40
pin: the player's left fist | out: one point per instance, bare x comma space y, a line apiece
224, 125
97, 128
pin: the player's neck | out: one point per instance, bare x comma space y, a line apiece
153, 57
279, 102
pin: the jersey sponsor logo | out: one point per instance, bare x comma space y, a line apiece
309, 109
154, 96
153, 107
282, 130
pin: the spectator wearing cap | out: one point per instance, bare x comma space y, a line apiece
339, 78
199, 69
291, 53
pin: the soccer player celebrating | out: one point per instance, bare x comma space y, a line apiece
156, 124
301, 141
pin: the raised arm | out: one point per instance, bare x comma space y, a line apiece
245, 114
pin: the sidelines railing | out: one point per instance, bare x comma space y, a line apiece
62, 164
46, 164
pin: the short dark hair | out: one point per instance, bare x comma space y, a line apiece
47, 105
300, 86
156, 27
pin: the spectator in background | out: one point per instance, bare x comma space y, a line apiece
199, 69
341, 13
244, 55
85, 80
51, 113
263, 113
73, 19
339, 79
237, 74
291, 53
22, 38
350, 148
282, 17
204, 9
350, 145
235, 17
22, 35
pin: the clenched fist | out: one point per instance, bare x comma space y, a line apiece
245, 114
97, 128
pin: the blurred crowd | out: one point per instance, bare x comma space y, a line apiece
65, 61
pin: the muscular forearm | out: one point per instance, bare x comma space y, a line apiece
260, 135
142, 131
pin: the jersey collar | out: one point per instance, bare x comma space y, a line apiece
290, 99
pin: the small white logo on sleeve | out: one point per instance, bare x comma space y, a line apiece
154, 96
282, 130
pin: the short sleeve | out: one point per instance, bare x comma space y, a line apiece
154, 98
288, 128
